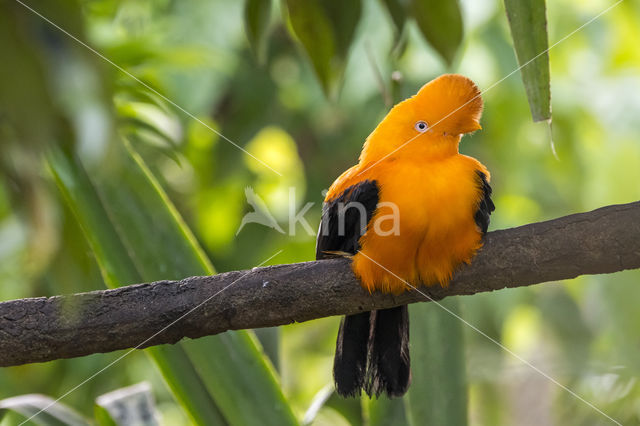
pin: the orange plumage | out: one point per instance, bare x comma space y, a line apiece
434, 187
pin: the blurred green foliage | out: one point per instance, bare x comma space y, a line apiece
268, 96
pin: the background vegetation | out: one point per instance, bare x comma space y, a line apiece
107, 182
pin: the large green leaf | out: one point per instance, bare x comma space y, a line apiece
269, 338
349, 408
118, 269
441, 24
438, 392
48, 411
138, 236
385, 411
256, 22
249, 394
325, 28
528, 22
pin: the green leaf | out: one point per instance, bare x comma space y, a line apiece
118, 269
132, 405
256, 22
325, 28
156, 239
384, 411
349, 408
438, 392
398, 13
102, 416
528, 22
441, 24
138, 236
269, 338
250, 380
186, 384
135, 116
49, 412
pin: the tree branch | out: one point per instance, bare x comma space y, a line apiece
42, 329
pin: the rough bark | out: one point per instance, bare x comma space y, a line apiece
42, 329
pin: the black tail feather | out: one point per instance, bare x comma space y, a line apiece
372, 353
350, 362
389, 368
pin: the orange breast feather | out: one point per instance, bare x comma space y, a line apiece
431, 188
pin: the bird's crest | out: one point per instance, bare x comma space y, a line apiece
452, 102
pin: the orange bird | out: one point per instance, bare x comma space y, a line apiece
411, 211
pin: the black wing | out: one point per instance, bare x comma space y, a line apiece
341, 227
345, 219
485, 206
372, 349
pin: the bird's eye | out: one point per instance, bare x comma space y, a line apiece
421, 126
